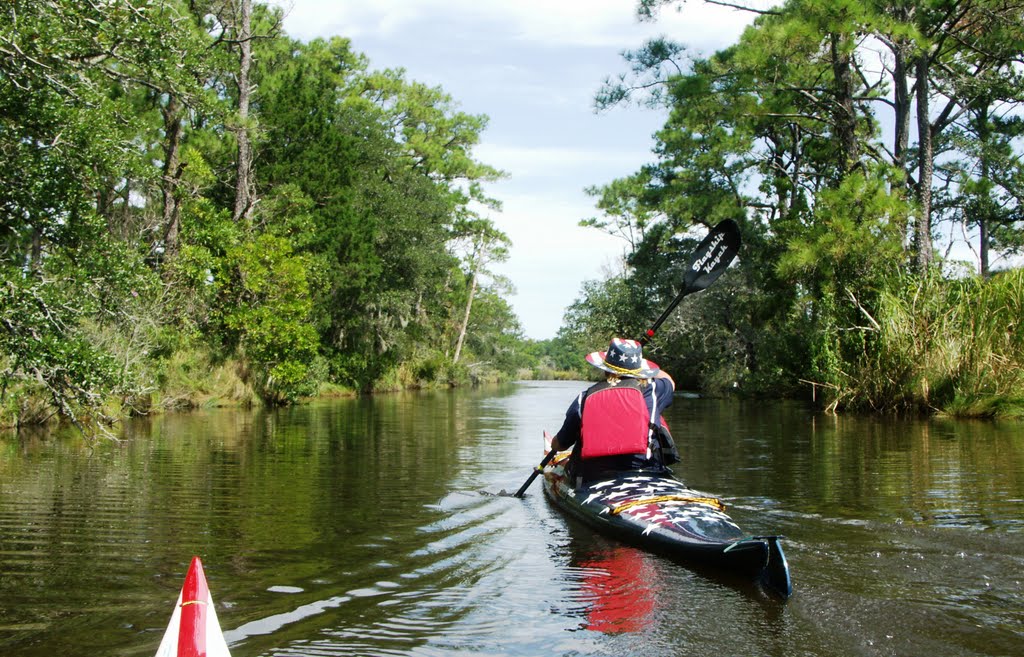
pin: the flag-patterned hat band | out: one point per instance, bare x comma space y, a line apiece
625, 358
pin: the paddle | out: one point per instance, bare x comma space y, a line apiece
711, 257
533, 475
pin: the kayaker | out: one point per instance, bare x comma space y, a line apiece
616, 424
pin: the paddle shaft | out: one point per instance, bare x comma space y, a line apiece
649, 333
536, 471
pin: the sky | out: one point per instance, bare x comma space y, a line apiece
534, 68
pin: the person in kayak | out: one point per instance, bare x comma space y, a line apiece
616, 424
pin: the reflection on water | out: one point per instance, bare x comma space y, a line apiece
357, 527
618, 589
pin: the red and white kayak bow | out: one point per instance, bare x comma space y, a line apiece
194, 630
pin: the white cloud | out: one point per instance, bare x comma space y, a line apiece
528, 161
592, 23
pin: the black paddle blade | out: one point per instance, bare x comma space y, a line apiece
712, 257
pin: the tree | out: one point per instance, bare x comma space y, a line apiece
943, 60
72, 74
782, 132
268, 303
489, 245
624, 214
388, 168
128, 137
986, 181
243, 191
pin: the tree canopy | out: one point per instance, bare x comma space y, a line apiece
183, 186
848, 139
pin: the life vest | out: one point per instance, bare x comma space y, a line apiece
615, 420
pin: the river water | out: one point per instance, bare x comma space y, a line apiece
371, 527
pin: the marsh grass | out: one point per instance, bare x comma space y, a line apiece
949, 346
193, 378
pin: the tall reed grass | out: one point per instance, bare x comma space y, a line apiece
949, 346
192, 378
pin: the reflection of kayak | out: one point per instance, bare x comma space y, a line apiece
194, 630
621, 586
661, 514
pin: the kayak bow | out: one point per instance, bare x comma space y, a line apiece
194, 630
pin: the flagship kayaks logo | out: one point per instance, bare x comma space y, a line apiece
714, 255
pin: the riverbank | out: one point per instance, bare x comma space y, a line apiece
222, 387
934, 347
194, 379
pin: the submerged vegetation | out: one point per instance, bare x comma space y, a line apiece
197, 209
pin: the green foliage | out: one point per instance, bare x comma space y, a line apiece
43, 335
126, 276
853, 234
494, 342
558, 354
383, 173
989, 178
69, 122
267, 311
625, 214
780, 132
77, 298
71, 327
956, 346
608, 309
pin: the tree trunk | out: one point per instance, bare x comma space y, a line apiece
172, 175
36, 249
926, 165
465, 317
844, 114
985, 204
243, 180
983, 249
901, 140
902, 103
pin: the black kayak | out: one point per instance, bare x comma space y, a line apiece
658, 512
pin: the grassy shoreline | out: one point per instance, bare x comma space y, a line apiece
931, 347
37, 411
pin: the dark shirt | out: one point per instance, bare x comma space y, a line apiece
569, 435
